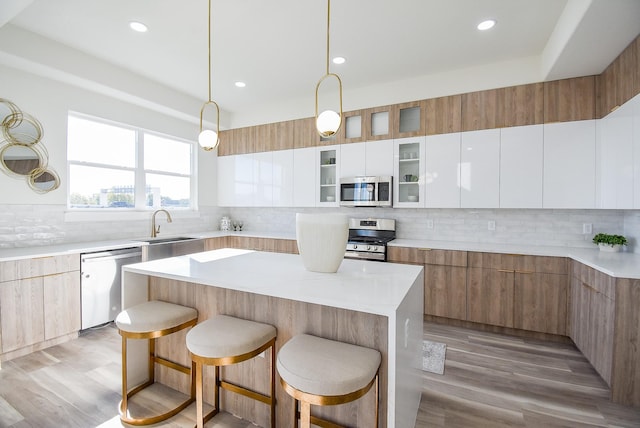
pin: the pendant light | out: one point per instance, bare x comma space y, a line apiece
328, 122
209, 138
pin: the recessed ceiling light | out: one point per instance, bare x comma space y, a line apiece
138, 26
485, 25
339, 60
241, 84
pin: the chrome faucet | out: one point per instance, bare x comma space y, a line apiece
154, 230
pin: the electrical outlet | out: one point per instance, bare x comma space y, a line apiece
429, 224
587, 228
491, 225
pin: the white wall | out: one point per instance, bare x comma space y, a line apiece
50, 101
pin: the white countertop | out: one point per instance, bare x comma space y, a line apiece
376, 288
619, 265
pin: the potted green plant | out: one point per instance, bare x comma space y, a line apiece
611, 243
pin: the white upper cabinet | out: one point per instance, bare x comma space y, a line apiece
263, 179
378, 157
521, 157
636, 151
442, 178
327, 178
304, 177
352, 160
283, 178
236, 187
569, 164
480, 169
614, 159
226, 175
409, 172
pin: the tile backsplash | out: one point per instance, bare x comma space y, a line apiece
34, 225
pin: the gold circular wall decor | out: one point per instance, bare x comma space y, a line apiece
9, 112
22, 153
22, 128
43, 181
22, 160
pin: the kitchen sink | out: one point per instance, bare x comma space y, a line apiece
160, 248
154, 241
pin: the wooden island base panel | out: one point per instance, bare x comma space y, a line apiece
375, 305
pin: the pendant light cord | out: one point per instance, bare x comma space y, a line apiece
209, 40
328, 19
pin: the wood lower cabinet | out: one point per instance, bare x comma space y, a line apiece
592, 316
21, 313
519, 291
39, 303
445, 283
490, 296
540, 302
252, 243
62, 307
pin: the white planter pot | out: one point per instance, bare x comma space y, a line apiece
610, 248
322, 240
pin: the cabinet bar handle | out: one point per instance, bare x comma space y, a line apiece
506, 270
524, 271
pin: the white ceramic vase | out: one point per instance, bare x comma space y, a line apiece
322, 240
610, 248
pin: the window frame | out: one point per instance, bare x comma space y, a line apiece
138, 169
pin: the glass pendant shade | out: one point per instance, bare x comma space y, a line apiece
328, 123
208, 139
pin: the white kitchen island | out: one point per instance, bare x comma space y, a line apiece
379, 305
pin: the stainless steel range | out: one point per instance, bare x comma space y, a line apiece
368, 238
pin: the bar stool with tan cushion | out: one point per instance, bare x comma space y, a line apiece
149, 321
224, 340
324, 372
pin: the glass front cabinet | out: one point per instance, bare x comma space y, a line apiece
409, 172
327, 176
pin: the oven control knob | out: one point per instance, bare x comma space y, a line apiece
355, 246
368, 247
374, 248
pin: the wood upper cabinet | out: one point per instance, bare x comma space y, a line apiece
483, 110
444, 115
353, 127
409, 119
503, 107
570, 99
379, 123
620, 81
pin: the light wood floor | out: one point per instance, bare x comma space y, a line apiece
490, 381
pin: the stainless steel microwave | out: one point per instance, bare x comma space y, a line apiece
366, 191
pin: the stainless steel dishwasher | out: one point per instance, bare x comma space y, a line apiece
100, 284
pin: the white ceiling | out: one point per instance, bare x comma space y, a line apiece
278, 47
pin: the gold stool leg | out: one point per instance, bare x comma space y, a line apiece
273, 386
305, 414
199, 415
123, 406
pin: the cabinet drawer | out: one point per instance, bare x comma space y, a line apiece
405, 255
598, 281
518, 262
445, 257
40, 266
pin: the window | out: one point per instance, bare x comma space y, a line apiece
117, 166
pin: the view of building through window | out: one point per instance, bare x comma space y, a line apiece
116, 166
